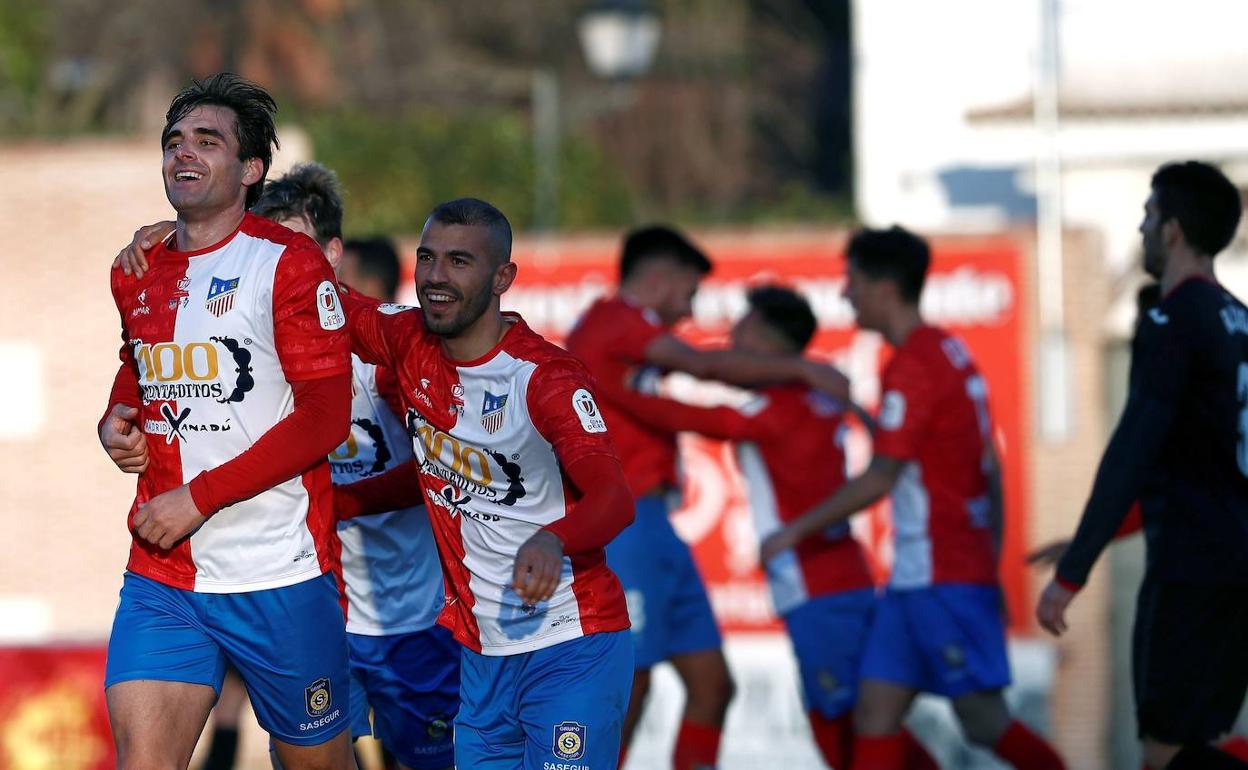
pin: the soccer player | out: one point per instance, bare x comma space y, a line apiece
524, 491
370, 266
402, 664
234, 386
627, 343
1180, 449
938, 627
790, 451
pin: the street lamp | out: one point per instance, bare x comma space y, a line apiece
619, 37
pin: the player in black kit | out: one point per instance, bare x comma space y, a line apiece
1181, 448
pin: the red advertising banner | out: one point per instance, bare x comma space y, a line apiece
974, 289
53, 713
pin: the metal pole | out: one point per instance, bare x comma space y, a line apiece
1054, 379
545, 96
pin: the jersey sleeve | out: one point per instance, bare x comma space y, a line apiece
388, 388
125, 388
308, 317
562, 406
379, 331
1162, 358
907, 403
750, 422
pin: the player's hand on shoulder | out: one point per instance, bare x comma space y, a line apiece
1051, 609
122, 439
539, 564
133, 258
826, 378
168, 517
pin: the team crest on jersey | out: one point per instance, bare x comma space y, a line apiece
317, 697
493, 411
221, 295
570, 740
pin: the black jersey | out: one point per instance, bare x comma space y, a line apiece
1181, 446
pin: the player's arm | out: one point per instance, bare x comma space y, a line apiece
378, 331
133, 258
397, 488
563, 411
854, 495
746, 369
717, 422
315, 356
120, 433
1162, 362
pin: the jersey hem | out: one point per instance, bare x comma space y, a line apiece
541, 643
390, 630
212, 587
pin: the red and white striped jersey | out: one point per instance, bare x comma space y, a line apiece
491, 437
215, 337
389, 562
795, 460
934, 416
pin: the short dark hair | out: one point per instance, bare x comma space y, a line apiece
309, 191
652, 242
785, 311
474, 212
378, 258
1202, 200
253, 117
895, 254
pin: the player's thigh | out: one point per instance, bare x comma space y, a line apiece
289, 645
688, 621
961, 634
573, 701
158, 647
156, 724
1190, 660
412, 683
332, 754
828, 635
984, 716
881, 706
642, 558
488, 734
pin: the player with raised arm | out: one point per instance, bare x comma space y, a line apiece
403, 666
938, 628
234, 386
627, 342
789, 442
524, 491
1180, 449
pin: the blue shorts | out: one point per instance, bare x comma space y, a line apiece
667, 601
289, 645
829, 634
411, 682
558, 707
946, 639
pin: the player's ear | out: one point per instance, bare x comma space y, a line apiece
253, 169
1172, 232
333, 253
503, 277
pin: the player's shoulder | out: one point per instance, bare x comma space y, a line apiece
523, 343
614, 314
295, 250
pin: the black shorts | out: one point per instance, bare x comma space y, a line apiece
1190, 660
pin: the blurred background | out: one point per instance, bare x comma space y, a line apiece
1019, 135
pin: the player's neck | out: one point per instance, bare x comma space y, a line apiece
1180, 268
195, 232
901, 325
478, 339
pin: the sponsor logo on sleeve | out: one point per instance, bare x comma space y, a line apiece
328, 307
221, 295
570, 740
587, 411
892, 410
390, 308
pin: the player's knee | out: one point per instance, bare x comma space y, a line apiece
711, 694
641, 685
984, 718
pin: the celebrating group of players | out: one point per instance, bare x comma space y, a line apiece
542, 479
